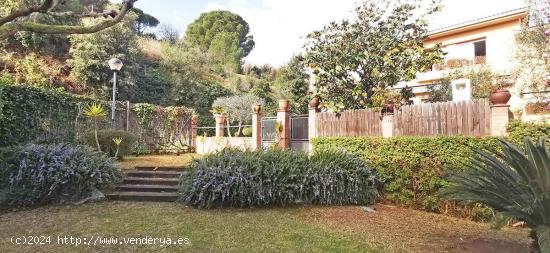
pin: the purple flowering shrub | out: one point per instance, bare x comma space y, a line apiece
40, 174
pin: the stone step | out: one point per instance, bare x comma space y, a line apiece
152, 173
144, 196
160, 168
151, 180
146, 188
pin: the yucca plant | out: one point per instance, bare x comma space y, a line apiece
117, 141
95, 112
513, 182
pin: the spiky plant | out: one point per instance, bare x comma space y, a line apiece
513, 182
95, 112
117, 141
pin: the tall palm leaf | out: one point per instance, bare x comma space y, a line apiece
513, 182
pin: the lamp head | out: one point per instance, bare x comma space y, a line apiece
115, 64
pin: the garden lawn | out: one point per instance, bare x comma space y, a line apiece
290, 229
130, 162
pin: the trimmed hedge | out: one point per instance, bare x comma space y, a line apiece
411, 168
518, 130
245, 179
41, 174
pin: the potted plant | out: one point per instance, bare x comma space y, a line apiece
386, 99
499, 93
257, 109
283, 105
314, 102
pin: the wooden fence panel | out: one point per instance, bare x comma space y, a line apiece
470, 118
349, 123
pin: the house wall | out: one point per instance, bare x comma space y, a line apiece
214, 144
500, 51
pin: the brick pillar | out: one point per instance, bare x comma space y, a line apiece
194, 123
311, 121
220, 125
500, 116
387, 125
257, 127
283, 117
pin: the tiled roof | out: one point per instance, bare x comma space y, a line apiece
479, 20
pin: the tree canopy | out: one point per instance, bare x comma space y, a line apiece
205, 30
18, 16
380, 48
144, 21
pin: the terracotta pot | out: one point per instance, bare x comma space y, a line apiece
283, 105
500, 97
194, 119
314, 103
257, 109
388, 108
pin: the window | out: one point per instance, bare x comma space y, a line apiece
480, 48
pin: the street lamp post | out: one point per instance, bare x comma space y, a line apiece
115, 65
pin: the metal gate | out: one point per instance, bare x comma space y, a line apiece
299, 132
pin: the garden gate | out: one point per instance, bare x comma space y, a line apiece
299, 135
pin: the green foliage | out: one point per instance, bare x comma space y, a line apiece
225, 54
533, 50
518, 130
38, 174
25, 71
411, 168
91, 52
380, 48
262, 89
513, 182
274, 177
108, 146
144, 21
292, 82
482, 78
203, 31
238, 108
32, 114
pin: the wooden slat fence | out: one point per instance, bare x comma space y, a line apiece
470, 118
349, 123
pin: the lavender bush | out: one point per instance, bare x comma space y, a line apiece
40, 174
274, 177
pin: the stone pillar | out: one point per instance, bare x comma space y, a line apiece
500, 116
387, 125
194, 123
311, 121
220, 125
283, 117
257, 127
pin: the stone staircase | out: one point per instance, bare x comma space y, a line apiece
149, 184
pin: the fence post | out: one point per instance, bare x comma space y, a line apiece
283, 117
311, 121
500, 116
387, 125
194, 123
257, 127
220, 124
127, 116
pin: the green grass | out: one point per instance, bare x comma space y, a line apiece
290, 229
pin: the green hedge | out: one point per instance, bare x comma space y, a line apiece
274, 177
411, 168
29, 114
107, 144
518, 130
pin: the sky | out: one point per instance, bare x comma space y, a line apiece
280, 26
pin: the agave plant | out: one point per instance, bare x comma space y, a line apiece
95, 112
117, 141
513, 182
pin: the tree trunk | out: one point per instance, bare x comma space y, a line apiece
96, 138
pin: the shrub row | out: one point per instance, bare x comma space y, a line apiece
411, 168
40, 174
247, 179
